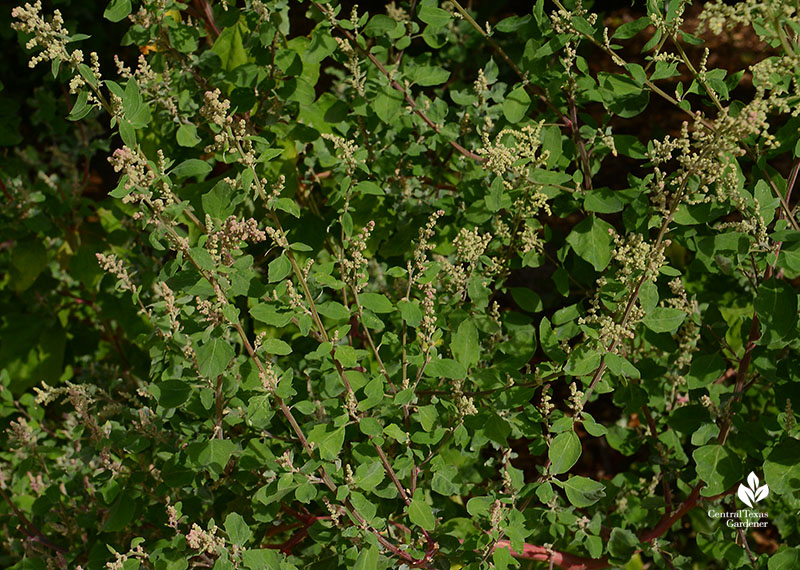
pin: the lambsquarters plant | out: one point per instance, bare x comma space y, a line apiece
410, 289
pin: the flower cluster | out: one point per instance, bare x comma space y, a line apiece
468, 247
354, 268
224, 242
171, 307
205, 541
689, 332
718, 16
524, 155
347, 151
50, 36
116, 267
138, 173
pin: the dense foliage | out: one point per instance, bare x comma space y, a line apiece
399, 288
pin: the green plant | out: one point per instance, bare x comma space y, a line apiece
371, 300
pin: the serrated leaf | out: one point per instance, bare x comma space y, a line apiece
565, 449
376, 302
410, 312
237, 529
213, 357
279, 268
516, 105
428, 75
193, 167
781, 469
367, 558
369, 475
591, 240
288, 205
187, 135
117, 10
328, 440
717, 467
368, 189
276, 346
776, 307
434, 16
622, 544
81, 108
664, 319
465, 345
583, 492
420, 513
446, 368
268, 314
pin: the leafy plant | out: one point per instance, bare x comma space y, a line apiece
404, 289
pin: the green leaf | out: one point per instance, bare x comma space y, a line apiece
434, 16
214, 455
705, 369
397, 434
374, 394
183, 38
376, 302
364, 506
516, 104
279, 268
630, 29
121, 514
367, 558
268, 314
333, 310
420, 513
260, 559
213, 357
622, 544
387, 104
369, 475
117, 10
133, 107
583, 492
620, 366
229, 46
549, 342
305, 492
346, 355
786, 559
465, 345
776, 307
781, 469
237, 530
368, 189
565, 449
410, 312
193, 167
289, 206
276, 346
428, 75
591, 240
717, 467
664, 319
81, 108
328, 440
526, 299
187, 135
172, 393
602, 201
446, 368
28, 260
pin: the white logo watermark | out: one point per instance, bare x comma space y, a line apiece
752, 493
749, 493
